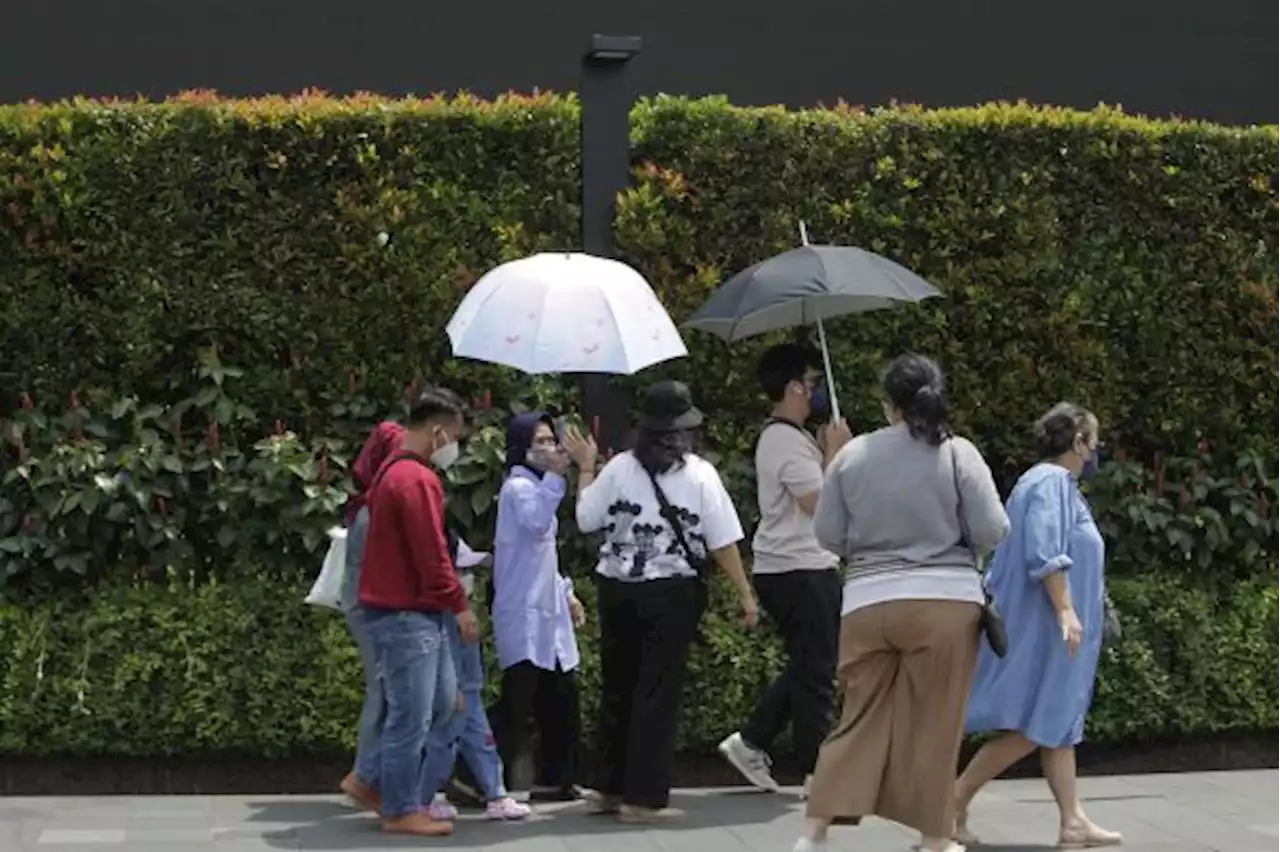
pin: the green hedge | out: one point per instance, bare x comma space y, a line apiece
1127, 263
245, 668
132, 234
320, 245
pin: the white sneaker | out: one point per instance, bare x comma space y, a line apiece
753, 763
506, 808
804, 844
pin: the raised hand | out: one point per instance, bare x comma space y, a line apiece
581, 448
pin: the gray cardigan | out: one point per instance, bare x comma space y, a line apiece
890, 502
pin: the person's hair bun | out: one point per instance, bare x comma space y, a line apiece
1056, 431
916, 386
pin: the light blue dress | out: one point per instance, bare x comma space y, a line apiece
531, 616
1039, 689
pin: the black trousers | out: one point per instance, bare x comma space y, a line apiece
551, 699
646, 629
805, 607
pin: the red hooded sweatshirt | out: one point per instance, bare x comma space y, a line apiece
384, 440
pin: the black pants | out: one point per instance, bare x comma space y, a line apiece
805, 606
551, 699
646, 629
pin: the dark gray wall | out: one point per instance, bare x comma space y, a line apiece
1215, 60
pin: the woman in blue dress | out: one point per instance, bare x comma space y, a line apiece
1048, 579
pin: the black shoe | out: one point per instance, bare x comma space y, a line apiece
567, 793
462, 795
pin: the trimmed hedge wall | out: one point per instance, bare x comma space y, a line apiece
244, 668
320, 245
1128, 263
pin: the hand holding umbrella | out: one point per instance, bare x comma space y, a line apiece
833, 436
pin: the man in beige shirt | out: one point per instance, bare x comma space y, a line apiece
798, 583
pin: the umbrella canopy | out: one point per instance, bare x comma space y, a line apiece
804, 286
564, 313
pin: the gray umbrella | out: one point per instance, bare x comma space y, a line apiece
803, 286
807, 285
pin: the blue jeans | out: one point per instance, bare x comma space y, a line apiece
373, 713
466, 733
415, 670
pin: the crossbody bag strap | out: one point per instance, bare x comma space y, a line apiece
669, 514
964, 527
782, 421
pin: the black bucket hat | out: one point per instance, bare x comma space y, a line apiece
668, 407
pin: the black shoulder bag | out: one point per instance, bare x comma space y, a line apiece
991, 621
669, 514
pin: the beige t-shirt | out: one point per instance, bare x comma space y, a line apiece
788, 466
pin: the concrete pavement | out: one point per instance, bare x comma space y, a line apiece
1198, 812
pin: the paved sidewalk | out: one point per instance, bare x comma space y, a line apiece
1208, 812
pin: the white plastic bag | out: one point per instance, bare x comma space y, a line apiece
327, 589
467, 561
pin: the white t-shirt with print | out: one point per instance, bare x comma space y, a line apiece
638, 542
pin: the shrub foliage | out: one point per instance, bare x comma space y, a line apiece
205, 304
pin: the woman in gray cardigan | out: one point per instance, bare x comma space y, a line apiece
908, 507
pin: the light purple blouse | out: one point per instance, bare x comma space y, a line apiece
531, 617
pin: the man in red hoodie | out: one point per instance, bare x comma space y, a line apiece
407, 585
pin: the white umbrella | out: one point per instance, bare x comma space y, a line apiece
564, 313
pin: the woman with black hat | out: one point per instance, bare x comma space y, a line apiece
666, 516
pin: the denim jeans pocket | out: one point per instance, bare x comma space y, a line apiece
404, 639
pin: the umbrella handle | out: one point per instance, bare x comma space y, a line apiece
826, 365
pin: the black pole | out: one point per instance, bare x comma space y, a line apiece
607, 94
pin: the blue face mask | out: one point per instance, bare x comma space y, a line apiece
819, 402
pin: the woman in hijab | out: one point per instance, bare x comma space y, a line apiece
535, 610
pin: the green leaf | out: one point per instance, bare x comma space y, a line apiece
482, 498
89, 499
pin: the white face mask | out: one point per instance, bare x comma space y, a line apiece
444, 457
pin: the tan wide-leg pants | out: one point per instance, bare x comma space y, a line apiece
905, 670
